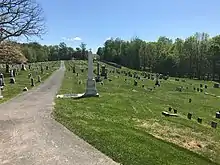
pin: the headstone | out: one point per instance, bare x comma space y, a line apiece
14, 72
2, 77
199, 120
1, 82
12, 80
23, 67
206, 86
1, 88
135, 83
213, 124
217, 115
201, 90
179, 89
157, 83
143, 86
216, 85
201, 85
11, 73
32, 82
103, 71
74, 69
47, 67
98, 78
189, 116
29, 75
25, 89
170, 109
29, 66
38, 78
106, 77
42, 70
7, 68
190, 100
175, 111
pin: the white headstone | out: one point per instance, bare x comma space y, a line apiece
1, 97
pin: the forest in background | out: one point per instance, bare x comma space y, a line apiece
197, 56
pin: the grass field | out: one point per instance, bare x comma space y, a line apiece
22, 80
126, 123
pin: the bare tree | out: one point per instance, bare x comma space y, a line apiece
20, 18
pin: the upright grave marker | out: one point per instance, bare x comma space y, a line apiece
91, 84
98, 77
1, 85
91, 90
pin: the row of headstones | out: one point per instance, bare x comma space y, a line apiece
135, 75
199, 119
13, 73
216, 85
12, 81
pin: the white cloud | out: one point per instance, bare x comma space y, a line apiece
77, 39
71, 39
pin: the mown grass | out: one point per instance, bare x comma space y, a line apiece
126, 123
22, 80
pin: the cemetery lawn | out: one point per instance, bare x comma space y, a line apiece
126, 123
22, 80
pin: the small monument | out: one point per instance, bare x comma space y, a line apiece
98, 77
103, 71
12, 79
38, 78
91, 84
1, 88
23, 67
2, 80
91, 90
157, 83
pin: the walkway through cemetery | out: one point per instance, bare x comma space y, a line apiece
29, 136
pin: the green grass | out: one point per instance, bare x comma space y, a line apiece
126, 123
22, 80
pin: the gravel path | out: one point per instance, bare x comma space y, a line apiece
29, 136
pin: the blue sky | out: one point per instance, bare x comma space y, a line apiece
93, 21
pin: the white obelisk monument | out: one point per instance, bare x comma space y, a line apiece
91, 90
91, 83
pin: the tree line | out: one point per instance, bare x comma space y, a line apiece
13, 52
197, 56
36, 52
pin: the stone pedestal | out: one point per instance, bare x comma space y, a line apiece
91, 88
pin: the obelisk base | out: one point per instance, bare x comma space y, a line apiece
91, 89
